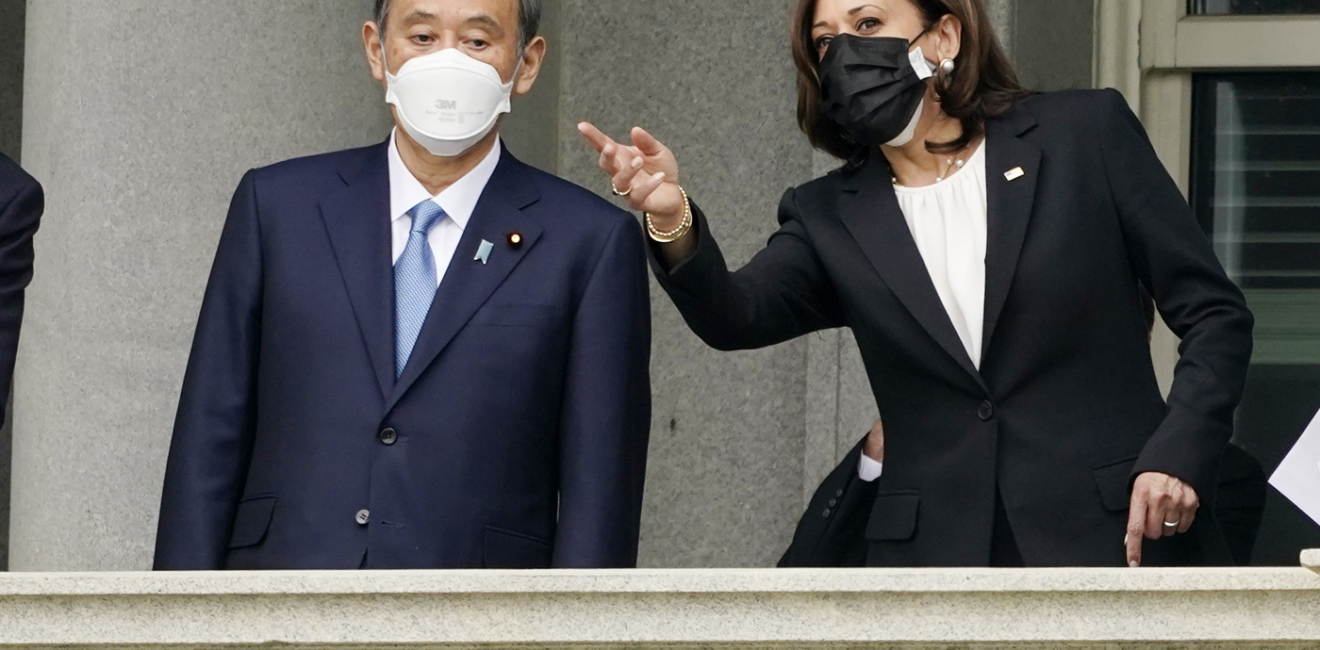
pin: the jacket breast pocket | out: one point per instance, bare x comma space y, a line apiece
1114, 481
505, 549
251, 521
514, 315
893, 517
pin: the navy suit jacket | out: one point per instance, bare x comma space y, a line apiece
21, 205
516, 437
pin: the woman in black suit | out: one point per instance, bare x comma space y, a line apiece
983, 243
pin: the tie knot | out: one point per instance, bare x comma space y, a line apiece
425, 216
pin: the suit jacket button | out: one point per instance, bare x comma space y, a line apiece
827, 513
834, 502
363, 517
838, 493
987, 411
389, 436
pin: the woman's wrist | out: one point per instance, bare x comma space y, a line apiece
670, 229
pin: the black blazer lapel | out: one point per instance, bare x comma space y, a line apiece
876, 221
469, 283
358, 221
1013, 166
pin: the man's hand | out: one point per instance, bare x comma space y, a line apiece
874, 448
1162, 506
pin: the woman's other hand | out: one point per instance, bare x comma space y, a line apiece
1162, 506
645, 174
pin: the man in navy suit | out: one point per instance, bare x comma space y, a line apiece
422, 354
21, 205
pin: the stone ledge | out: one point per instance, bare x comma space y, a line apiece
1311, 560
728, 609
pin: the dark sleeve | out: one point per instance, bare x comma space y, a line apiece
1175, 262
215, 424
606, 411
832, 532
21, 205
780, 295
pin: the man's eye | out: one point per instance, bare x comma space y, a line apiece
479, 44
422, 39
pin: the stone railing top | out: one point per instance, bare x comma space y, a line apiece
1311, 560
667, 581
667, 609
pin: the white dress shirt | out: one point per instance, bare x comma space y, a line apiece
948, 222
458, 201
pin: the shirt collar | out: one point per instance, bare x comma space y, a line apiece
458, 200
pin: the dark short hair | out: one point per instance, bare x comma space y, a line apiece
983, 84
529, 18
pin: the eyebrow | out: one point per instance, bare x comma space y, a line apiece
851, 12
487, 21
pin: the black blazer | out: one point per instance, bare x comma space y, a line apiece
21, 205
1065, 408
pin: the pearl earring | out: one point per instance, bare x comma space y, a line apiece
947, 66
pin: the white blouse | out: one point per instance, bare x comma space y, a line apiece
948, 223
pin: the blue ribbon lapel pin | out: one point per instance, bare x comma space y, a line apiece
483, 253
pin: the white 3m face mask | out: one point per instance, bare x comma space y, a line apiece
448, 101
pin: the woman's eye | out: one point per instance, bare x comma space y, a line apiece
868, 25
823, 43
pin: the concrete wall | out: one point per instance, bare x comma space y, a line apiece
713, 80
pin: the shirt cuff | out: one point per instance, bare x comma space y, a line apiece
869, 469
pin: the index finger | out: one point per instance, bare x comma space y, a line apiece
1136, 528
594, 135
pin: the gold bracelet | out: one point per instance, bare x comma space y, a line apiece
676, 234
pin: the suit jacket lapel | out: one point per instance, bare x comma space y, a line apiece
876, 221
1013, 166
358, 221
469, 283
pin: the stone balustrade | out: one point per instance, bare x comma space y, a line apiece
726, 609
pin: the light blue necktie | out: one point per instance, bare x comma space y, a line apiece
414, 283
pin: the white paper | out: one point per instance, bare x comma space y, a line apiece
1298, 477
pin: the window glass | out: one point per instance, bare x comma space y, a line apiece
1252, 7
1256, 192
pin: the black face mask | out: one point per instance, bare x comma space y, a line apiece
869, 87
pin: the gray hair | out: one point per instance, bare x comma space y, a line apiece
529, 19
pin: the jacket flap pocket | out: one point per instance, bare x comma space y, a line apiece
1114, 482
893, 517
509, 550
251, 521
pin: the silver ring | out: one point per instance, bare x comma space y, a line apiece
1171, 524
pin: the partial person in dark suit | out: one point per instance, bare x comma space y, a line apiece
982, 242
420, 354
21, 204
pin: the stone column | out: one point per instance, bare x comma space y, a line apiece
140, 118
714, 81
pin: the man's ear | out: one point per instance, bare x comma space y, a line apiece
375, 50
533, 57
